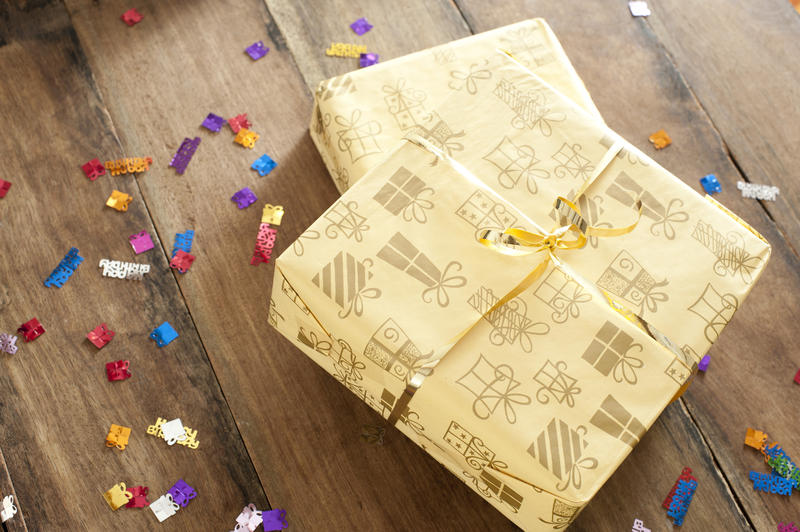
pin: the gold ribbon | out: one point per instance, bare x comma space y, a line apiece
517, 242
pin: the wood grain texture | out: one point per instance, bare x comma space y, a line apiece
300, 426
56, 404
400, 28
743, 68
17, 522
749, 383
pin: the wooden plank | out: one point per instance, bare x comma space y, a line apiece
17, 522
57, 402
638, 91
301, 427
399, 29
743, 68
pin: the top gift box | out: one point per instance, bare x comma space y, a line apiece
359, 117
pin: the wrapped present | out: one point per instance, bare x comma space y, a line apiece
684, 270
484, 346
359, 117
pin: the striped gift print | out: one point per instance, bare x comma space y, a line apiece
342, 279
336, 86
558, 448
405, 256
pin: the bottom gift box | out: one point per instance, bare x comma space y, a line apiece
521, 378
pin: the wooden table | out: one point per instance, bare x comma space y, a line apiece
721, 76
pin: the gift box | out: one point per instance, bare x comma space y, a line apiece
359, 117
528, 362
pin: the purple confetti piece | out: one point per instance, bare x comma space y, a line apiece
184, 154
703, 364
182, 492
257, 50
213, 122
244, 198
361, 26
274, 519
368, 59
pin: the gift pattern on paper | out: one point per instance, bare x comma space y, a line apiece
440, 134
406, 104
613, 419
715, 309
529, 46
562, 294
335, 87
610, 350
572, 163
493, 385
407, 416
344, 280
357, 138
481, 459
509, 322
532, 110
343, 219
627, 279
482, 212
732, 257
555, 383
393, 351
559, 449
627, 191
562, 515
347, 367
406, 193
468, 80
516, 163
404, 256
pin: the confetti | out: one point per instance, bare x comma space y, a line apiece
182, 492
129, 165
141, 242
131, 17
784, 527
118, 437
4, 186
686, 474
239, 122
264, 165
797, 377
274, 519
703, 364
755, 439
65, 269
191, 435
339, 49
119, 201
31, 330
123, 270
660, 139
213, 122
163, 334
244, 198
183, 241
760, 192
365, 60
184, 154
772, 483
8, 509
638, 526
246, 138
117, 496
710, 184
8, 343
257, 50
118, 371
248, 519
265, 240
93, 169
681, 501
182, 261
100, 335
172, 432
139, 499
164, 507
639, 8
361, 26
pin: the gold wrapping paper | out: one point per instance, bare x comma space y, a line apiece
536, 406
359, 117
